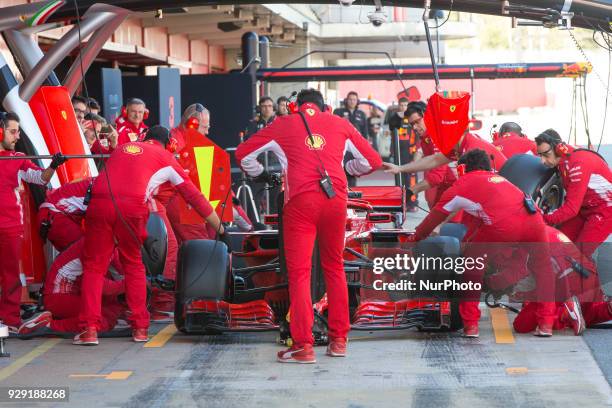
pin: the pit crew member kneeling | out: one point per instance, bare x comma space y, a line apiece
586, 214
581, 302
310, 146
118, 212
62, 295
498, 212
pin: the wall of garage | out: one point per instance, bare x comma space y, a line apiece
190, 56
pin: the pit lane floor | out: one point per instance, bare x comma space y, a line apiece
407, 368
383, 369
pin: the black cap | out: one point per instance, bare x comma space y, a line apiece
159, 133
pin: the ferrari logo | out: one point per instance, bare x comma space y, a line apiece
453, 108
64, 115
497, 179
310, 112
132, 149
427, 140
316, 143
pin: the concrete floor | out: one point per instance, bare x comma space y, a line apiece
383, 369
408, 368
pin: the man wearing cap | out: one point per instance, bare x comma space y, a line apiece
118, 212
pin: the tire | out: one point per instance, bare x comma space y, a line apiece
155, 248
202, 270
527, 173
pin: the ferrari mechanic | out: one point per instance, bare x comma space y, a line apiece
310, 146
586, 214
579, 282
496, 212
118, 212
60, 217
195, 116
12, 173
511, 141
467, 142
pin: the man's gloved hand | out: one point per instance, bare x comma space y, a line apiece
268, 178
226, 239
264, 177
57, 160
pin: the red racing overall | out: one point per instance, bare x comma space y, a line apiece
586, 214
308, 213
134, 171
64, 210
12, 173
514, 144
593, 303
495, 211
62, 292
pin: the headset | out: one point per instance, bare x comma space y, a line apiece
134, 101
561, 148
193, 122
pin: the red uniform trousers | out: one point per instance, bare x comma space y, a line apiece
164, 300
306, 217
588, 232
183, 232
64, 230
593, 312
65, 310
11, 242
487, 242
102, 227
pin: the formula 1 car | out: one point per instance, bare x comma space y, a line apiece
247, 291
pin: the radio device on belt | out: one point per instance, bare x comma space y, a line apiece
324, 181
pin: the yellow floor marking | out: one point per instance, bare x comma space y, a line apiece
113, 375
118, 375
25, 359
525, 370
501, 326
161, 338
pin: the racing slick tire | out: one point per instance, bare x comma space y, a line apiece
202, 273
444, 246
155, 247
529, 174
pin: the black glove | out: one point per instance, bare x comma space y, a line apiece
57, 160
226, 239
264, 177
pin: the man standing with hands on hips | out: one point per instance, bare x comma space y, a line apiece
310, 146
